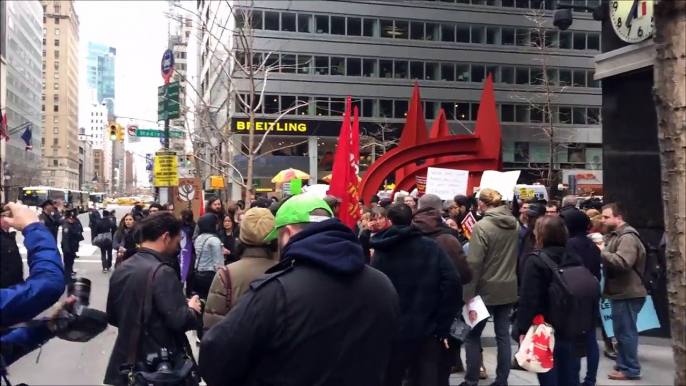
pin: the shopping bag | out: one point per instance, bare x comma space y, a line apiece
536, 350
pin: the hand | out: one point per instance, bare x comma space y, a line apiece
226, 251
445, 343
601, 246
122, 249
67, 304
472, 317
194, 303
21, 216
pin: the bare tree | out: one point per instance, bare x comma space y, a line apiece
382, 138
670, 99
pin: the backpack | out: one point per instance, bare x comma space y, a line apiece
573, 296
653, 271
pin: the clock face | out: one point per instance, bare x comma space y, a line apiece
632, 20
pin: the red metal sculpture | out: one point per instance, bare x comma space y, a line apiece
473, 152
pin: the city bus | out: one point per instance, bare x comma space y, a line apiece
34, 196
97, 198
78, 200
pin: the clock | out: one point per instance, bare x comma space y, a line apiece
632, 20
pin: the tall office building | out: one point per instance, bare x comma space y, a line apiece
3, 49
100, 64
320, 52
22, 23
61, 94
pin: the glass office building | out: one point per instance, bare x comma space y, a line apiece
100, 65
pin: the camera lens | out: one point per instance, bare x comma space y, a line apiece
81, 288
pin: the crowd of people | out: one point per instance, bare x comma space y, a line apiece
281, 292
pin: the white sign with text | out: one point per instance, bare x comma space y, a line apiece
446, 183
502, 182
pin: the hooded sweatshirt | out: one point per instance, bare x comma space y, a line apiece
492, 257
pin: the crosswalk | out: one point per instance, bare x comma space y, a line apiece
85, 250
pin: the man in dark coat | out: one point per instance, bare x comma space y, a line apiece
319, 317
71, 236
93, 218
147, 280
11, 266
430, 294
50, 217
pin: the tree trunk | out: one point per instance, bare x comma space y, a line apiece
670, 100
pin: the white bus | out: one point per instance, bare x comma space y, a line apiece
97, 198
34, 196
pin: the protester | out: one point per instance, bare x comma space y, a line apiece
155, 207
410, 201
106, 227
256, 256
624, 259
339, 323
214, 206
209, 255
169, 313
93, 218
169, 207
123, 241
452, 224
187, 249
527, 242
377, 224
492, 257
334, 203
137, 211
551, 208
228, 240
374, 201
11, 266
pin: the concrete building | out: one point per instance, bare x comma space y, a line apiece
3, 50
22, 46
100, 66
61, 94
85, 163
130, 182
323, 51
93, 119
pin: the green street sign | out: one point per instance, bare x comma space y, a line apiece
172, 98
155, 133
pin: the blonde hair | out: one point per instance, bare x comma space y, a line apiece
490, 197
596, 222
592, 213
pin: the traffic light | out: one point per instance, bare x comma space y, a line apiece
120, 133
189, 158
113, 131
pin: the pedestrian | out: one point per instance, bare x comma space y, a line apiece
50, 217
137, 211
93, 218
256, 257
70, 246
228, 239
11, 266
430, 293
107, 228
169, 207
334, 204
187, 249
123, 242
624, 260
338, 326
492, 257
155, 207
147, 282
410, 201
214, 206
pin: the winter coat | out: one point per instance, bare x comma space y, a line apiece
166, 312
622, 253
427, 282
492, 258
105, 225
536, 279
42, 289
93, 218
11, 266
254, 262
365, 237
229, 242
431, 225
52, 222
319, 317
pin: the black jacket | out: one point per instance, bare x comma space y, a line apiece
105, 225
93, 218
70, 239
166, 312
11, 266
319, 317
427, 282
52, 222
533, 292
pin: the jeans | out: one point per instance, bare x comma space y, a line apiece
422, 359
472, 346
106, 257
564, 366
592, 360
624, 315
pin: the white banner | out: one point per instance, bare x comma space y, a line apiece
446, 183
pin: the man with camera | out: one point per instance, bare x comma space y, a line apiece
44, 286
146, 303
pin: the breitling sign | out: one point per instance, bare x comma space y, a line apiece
288, 127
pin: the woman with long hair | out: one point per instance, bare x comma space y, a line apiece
228, 240
123, 239
233, 212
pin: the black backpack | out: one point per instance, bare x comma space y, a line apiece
654, 269
573, 297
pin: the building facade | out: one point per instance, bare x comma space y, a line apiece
100, 66
3, 50
23, 31
374, 51
130, 174
85, 164
60, 164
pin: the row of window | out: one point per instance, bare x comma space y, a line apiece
397, 108
404, 69
416, 30
524, 4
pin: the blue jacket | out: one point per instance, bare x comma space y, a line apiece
42, 289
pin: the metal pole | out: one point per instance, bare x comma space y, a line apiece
166, 116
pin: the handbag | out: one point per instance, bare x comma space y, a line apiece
535, 353
459, 329
103, 240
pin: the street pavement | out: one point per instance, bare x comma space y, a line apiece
65, 363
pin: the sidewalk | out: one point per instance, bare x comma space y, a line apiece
655, 355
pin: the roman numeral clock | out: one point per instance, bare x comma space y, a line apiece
632, 20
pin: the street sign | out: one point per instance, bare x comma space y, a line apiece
165, 171
167, 65
158, 133
131, 131
170, 93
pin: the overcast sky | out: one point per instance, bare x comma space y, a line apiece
138, 30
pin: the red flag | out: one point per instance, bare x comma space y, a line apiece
344, 174
3, 127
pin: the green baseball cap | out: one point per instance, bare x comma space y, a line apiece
297, 211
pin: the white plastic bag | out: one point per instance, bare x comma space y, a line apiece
536, 351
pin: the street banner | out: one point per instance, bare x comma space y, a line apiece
446, 183
421, 185
502, 182
345, 169
468, 224
646, 319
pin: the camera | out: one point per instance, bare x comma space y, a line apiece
80, 323
562, 19
81, 289
159, 361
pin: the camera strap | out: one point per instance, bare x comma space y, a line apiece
140, 320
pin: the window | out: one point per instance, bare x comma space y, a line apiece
564, 115
433, 71
493, 71
354, 25
385, 108
337, 66
57, 42
474, 107
566, 40
255, 18
386, 68
593, 116
271, 104
417, 70
462, 34
57, 31
367, 108
401, 70
322, 106
492, 35
507, 113
322, 24
288, 101
57, 75
522, 75
387, 28
56, 98
271, 21
579, 78
579, 116
432, 31
448, 33
523, 38
478, 73
288, 22
508, 36
57, 65
448, 72
354, 67
57, 54
593, 42
302, 102
400, 109
55, 120
462, 72
337, 106
369, 68
429, 110
565, 77
304, 64
55, 141
54, 163
401, 29
462, 111
321, 65
449, 109
305, 23
590, 82
55, 130
416, 30
369, 27
521, 113
479, 35
580, 41
507, 75
288, 64
338, 25
57, 9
